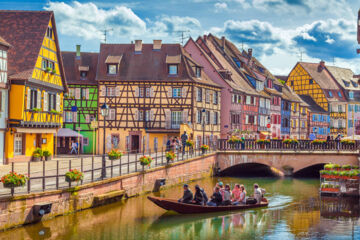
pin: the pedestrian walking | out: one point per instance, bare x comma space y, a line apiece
73, 147
184, 137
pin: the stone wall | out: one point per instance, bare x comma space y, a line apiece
18, 210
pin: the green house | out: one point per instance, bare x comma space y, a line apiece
81, 101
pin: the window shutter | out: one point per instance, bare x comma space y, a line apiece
38, 102
137, 91
151, 115
169, 92
57, 103
167, 119
87, 118
45, 106
74, 116
151, 92
185, 115
28, 96
87, 93
77, 93
117, 91
136, 115
102, 91
184, 92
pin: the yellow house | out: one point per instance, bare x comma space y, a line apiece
154, 91
37, 82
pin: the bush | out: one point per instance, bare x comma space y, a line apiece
14, 179
46, 153
38, 151
74, 175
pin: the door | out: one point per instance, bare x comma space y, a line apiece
38, 140
135, 143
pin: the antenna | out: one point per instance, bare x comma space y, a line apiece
182, 37
105, 32
301, 55
334, 61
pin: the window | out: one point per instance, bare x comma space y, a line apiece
250, 119
340, 109
198, 72
339, 94
269, 83
330, 94
237, 62
199, 95
207, 96
262, 102
51, 101
292, 83
207, 120
355, 84
86, 141
176, 93
259, 86
173, 69
144, 92
268, 103
49, 32
112, 114
311, 81
351, 95
33, 99
68, 116
110, 91
215, 98
198, 116
112, 68
346, 83
18, 144
176, 119
3, 66
83, 74
47, 64
215, 120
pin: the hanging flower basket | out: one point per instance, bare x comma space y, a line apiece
189, 143
115, 154
13, 179
74, 175
145, 160
170, 156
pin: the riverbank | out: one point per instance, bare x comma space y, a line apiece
20, 210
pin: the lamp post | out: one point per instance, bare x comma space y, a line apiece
203, 124
104, 113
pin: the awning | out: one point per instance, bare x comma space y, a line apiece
66, 132
35, 130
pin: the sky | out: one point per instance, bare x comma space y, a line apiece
280, 32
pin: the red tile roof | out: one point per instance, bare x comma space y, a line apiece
149, 65
25, 31
71, 67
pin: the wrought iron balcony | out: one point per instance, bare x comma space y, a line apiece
41, 119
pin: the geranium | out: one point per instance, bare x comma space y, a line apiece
234, 139
170, 155
145, 160
289, 141
74, 175
204, 147
115, 154
318, 142
14, 179
262, 141
189, 143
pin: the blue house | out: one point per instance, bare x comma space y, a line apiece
285, 118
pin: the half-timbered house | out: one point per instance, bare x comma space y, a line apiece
37, 82
314, 79
4, 86
81, 101
155, 91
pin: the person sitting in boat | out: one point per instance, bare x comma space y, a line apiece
199, 196
227, 196
242, 194
236, 194
257, 193
188, 195
216, 198
222, 189
206, 199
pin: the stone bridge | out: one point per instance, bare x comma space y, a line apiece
280, 161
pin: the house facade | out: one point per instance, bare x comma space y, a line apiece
37, 82
4, 86
81, 101
154, 91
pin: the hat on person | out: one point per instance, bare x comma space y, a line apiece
221, 184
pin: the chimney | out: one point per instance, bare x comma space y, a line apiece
250, 53
78, 51
223, 42
157, 44
138, 45
321, 66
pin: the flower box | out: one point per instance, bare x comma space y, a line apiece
115, 154
330, 189
74, 175
145, 160
13, 179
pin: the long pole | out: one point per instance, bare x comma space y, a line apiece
103, 170
79, 141
353, 121
93, 142
203, 121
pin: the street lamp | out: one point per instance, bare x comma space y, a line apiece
203, 111
104, 113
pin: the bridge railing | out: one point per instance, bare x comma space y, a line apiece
279, 145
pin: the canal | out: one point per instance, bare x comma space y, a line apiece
295, 211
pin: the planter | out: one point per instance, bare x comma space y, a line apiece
47, 158
330, 189
67, 179
11, 185
113, 158
203, 151
169, 159
144, 164
36, 159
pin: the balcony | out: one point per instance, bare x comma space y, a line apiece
41, 119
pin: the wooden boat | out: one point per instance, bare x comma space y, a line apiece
184, 208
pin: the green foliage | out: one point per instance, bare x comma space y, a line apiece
39, 152
145, 160
74, 175
115, 154
14, 179
36, 109
262, 141
46, 153
204, 147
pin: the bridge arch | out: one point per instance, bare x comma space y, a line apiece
249, 170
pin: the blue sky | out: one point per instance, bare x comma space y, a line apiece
279, 31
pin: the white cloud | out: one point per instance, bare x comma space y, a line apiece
220, 6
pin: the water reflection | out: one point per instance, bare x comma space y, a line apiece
295, 211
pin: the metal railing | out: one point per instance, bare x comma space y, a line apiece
50, 175
279, 145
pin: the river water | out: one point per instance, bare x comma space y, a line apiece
295, 212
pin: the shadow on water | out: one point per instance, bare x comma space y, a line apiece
248, 170
310, 172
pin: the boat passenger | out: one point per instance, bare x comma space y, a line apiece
227, 196
199, 196
236, 193
222, 189
257, 193
216, 198
206, 199
242, 194
188, 195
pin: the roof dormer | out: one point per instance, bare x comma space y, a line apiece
173, 64
113, 63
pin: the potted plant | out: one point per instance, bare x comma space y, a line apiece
170, 156
115, 154
53, 71
74, 175
37, 155
346, 167
189, 143
145, 160
36, 109
204, 148
47, 155
13, 179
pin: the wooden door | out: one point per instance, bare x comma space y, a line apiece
135, 143
38, 140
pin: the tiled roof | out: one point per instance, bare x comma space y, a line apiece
344, 77
149, 64
25, 31
281, 77
323, 78
3, 42
313, 106
72, 67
